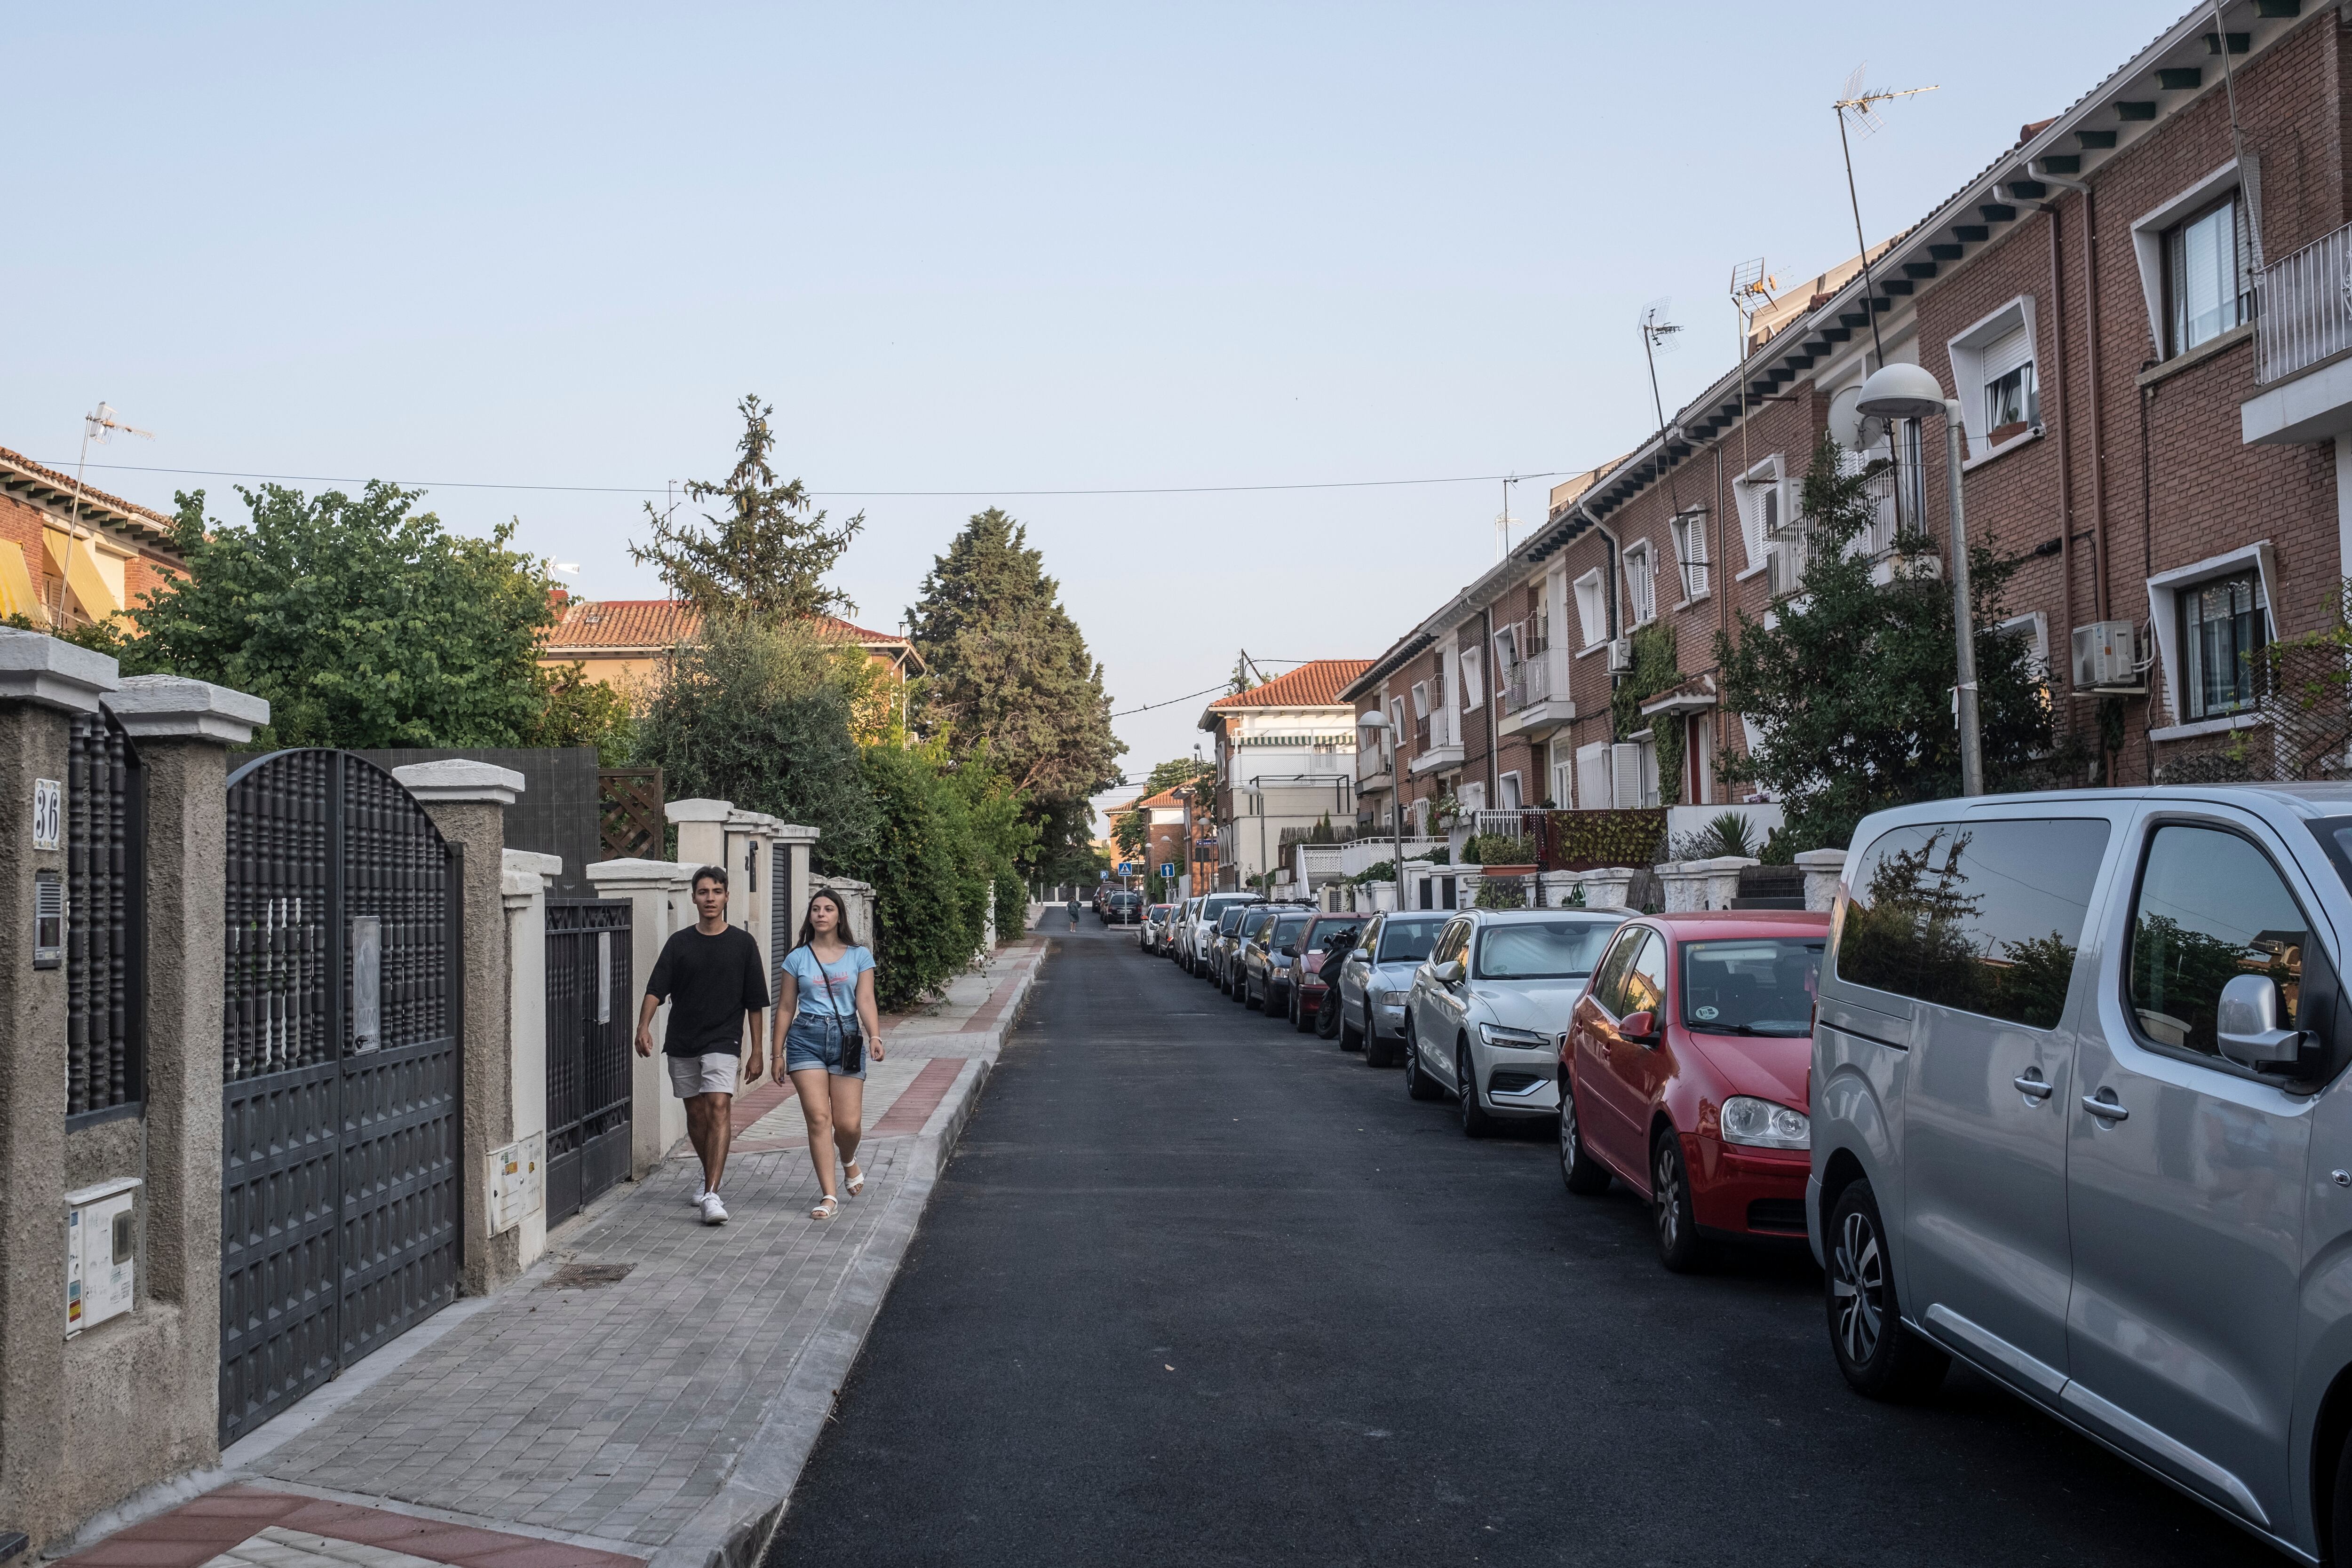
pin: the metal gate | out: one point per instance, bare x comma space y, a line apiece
340, 1054
590, 1014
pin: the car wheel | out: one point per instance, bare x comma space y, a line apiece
1476, 1122
1301, 1020
1585, 1176
1351, 1037
1420, 1085
1879, 1356
1680, 1248
1330, 1020
1378, 1052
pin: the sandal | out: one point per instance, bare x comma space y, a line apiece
854, 1179
827, 1208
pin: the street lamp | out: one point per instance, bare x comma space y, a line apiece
1380, 723
1910, 392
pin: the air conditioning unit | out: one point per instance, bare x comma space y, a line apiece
1621, 655
2106, 657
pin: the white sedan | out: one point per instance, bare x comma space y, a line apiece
1484, 1019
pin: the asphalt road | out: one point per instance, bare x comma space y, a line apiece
1199, 1290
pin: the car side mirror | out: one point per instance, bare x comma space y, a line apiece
1640, 1028
1290, 950
1448, 974
2246, 1025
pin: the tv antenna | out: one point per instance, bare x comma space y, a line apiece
1657, 338
1861, 104
1503, 520
1751, 289
100, 426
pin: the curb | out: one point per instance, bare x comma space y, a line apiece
736, 1528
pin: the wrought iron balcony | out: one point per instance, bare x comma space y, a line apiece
2303, 308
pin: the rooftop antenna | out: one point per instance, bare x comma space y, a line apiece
1752, 289
1861, 104
1503, 520
100, 426
1658, 338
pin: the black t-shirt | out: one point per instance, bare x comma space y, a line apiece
710, 982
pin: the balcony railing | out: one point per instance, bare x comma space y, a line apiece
1442, 728
1527, 684
2303, 308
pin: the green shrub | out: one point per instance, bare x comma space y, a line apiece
1584, 840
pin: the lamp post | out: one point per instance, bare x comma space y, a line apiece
1910, 392
1381, 723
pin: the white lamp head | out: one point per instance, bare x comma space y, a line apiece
1373, 719
1901, 392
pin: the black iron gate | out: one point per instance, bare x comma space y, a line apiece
103, 899
590, 1019
340, 1051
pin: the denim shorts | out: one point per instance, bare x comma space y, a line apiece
813, 1040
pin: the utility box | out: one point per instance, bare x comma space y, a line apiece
2106, 657
515, 1181
101, 1247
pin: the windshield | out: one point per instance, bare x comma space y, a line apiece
1227, 921
1756, 986
1542, 949
1286, 930
1254, 920
1408, 941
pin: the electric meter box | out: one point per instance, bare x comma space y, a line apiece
101, 1240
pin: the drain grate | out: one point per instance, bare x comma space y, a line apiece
578, 1276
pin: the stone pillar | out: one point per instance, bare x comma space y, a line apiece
43, 682
659, 903
1693, 885
467, 801
1824, 870
701, 831
525, 878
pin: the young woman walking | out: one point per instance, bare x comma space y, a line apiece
825, 1029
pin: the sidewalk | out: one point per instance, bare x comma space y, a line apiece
647, 1393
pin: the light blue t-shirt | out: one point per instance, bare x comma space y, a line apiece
810, 975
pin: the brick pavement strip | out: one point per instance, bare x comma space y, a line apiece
662, 1418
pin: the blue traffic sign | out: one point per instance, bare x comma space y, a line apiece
1167, 868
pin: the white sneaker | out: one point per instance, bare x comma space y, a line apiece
713, 1211
694, 1199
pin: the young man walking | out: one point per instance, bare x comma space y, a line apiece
712, 978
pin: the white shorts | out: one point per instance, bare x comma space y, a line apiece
693, 1075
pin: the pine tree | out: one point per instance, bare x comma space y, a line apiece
1008, 668
767, 554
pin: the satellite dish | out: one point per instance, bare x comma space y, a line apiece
1853, 429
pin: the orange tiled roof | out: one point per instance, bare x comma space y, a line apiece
1315, 684
1166, 797
20, 475
651, 625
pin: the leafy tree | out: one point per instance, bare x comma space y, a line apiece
1010, 670
363, 623
1179, 770
1131, 831
577, 711
1852, 686
766, 551
756, 711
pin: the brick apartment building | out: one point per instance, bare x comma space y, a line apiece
1282, 754
2147, 320
71, 556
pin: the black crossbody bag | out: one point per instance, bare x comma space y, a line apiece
851, 1036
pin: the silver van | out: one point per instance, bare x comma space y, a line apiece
2080, 1120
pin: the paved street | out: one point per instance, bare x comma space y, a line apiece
1197, 1289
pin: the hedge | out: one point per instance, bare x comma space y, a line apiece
1586, 840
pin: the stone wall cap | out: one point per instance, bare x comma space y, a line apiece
36, 667
532, 859
625, 872
177, 707
753, 822
792, 833
1822, 860
698, 810
461, 778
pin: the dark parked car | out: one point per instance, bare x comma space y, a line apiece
1267, 958
1123, 909
1227, 958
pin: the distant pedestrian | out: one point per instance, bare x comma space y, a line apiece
711, 978
826, 1027
1074, 914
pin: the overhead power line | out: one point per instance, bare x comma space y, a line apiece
846, 495
1171, 702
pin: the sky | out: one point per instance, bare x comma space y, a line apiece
1235, 261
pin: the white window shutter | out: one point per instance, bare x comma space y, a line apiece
1625, 775
1593, 789
2005, 353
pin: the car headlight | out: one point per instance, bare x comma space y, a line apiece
1394, 998
1517, 1038
1762, 1125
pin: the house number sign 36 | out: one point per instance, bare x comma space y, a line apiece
48, 813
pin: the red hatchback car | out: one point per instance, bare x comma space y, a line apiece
1684, 1073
